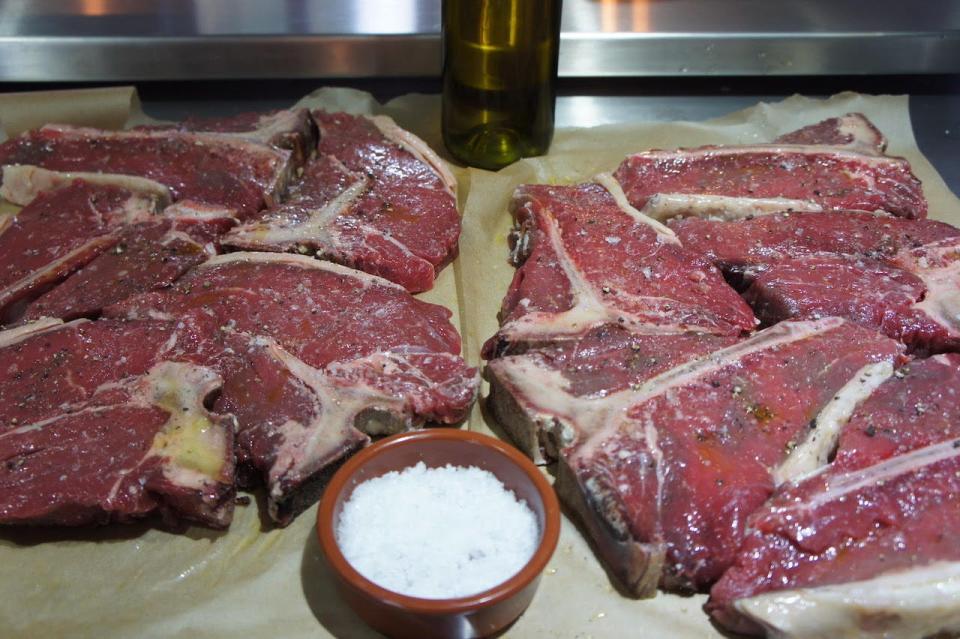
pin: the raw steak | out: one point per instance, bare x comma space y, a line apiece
23, 183
868, 553
741, 248
853, 131
291, 129
213, 169
918, 406
664, 473
59, 232
870, 293
375, 198
146, 256
898, 276
737, 181
872, 542
105, 421
608, 359
586, 259
333, 355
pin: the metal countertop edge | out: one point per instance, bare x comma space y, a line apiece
106, 59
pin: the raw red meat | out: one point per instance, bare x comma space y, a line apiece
898, 276
213, 169
870, 293
733, 179
375, 198
291, 129
665, 472
332, 355
853, 131
918, 406
146, 256
873, 552
885, 510
22, 183
586, 260
607, 359
59, 232
105, 421
743, 247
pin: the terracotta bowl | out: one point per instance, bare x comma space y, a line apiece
478, 615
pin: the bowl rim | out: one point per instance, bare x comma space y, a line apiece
506, 589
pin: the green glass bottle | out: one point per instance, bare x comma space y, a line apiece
499, 78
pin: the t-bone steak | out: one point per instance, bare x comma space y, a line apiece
587, 258
797, 173
147, 256
853, 131
216, 170
375, 198
664, 472
870, 546
61, 231
105, 421
291, 129
329, 355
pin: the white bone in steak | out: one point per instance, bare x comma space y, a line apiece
870, 546
291, 129
217, 170
375, 198
586, 259
329, 356
105, 421
665, 471
853, 131
799, 172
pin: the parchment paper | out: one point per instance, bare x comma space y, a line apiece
106, 108
254, 581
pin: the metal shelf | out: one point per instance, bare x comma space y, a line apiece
123, 40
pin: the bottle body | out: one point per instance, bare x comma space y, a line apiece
499, 78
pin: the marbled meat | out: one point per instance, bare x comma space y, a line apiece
330, 356
375, 198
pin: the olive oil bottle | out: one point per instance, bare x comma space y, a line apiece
499, 78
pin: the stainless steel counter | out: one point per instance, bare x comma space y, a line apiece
116, 40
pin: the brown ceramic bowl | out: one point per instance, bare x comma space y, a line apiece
478, 615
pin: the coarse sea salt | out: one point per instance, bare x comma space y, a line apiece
436, 533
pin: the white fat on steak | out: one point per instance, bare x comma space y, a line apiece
278, 159
664, 233
17, 334
24, 182
191, 445
926, 600
300, 261
841, 153
200, 211
417, 148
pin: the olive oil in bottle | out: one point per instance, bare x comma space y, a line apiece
499, 76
